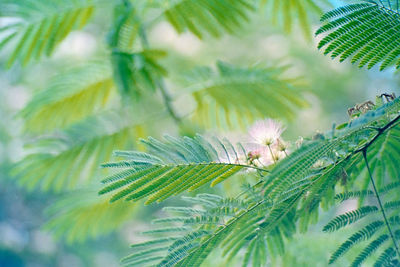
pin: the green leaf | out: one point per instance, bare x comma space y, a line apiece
385, 259
42, 25
206, 16
368, 250
361, 235
368, 32
70, 97
288, 13
234, 97
81, 215
71, 158
349, 218
136, 73
182, 164
353, 194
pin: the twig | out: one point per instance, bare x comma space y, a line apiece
160, 83
364, 152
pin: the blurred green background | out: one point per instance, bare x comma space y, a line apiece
329, 86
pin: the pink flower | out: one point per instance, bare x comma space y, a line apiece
258, 155
266, 132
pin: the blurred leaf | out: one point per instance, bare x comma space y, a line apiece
125, 28
174, 166
367, 31
210, 16
72, 157
70, 97
41, 25
136, 73
233, 96
82, 215
293, 12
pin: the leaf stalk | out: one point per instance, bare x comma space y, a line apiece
364, 152
160, 83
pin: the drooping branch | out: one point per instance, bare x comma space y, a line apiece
113, 44
380, 131
160, 82
364, 152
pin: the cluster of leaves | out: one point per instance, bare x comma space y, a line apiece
384, 229
296, 187
291, 192
41, 25
174, 166
367, 31
86, 111
79, 120
187, 227
248, 89
289, 13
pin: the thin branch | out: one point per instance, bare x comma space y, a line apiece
224, 227
380, 202
226, 164
160, 82
381, 131
272, 154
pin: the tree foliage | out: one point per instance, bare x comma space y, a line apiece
292, 191
366, 31
41, 25
86, 112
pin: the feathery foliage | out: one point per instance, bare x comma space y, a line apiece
361, 235
81, 215
292, 191
383, 157
386, 258
205, 16
82, 148
387, 227
173, 167
235, 96
366, 31
81, 91
289, 13
194, 228
77, 115
136, 73
349, 218
126, 27
41, 25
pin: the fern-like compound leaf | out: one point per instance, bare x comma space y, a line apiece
368, 250
82, 215
353, 194
206, 16
289, 13
41, 25
71, 158
268, 212
363, 234
179, 242
180, 165
368, 32
248, 89
349, 218
385, 259
136, 73
70, 97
